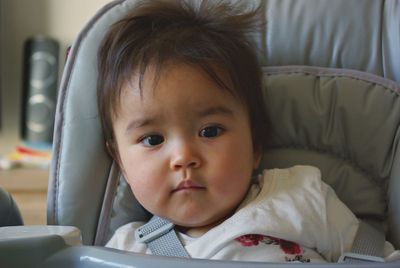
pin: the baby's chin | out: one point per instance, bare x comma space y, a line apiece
190, 218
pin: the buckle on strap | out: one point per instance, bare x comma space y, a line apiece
150, 232
350, 257
160, 237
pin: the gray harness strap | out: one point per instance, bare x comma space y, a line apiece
161, 238
367, 246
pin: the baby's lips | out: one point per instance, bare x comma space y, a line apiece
188, 184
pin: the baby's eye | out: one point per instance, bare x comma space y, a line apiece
152, 140
211, 132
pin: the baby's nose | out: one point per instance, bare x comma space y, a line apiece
185, 157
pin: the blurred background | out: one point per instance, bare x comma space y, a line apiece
30, 31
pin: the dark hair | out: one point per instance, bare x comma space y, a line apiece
211, 35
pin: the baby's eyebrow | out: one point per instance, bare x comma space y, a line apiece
138, 123
215, 110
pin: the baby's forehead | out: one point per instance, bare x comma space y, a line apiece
175, 86
146, 79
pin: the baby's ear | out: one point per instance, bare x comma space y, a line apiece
110, 144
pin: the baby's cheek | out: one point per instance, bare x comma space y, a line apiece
140, 186
146, 188
235, 183
142, 193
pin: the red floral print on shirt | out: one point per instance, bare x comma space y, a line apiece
254, 239
250, 240
288, 247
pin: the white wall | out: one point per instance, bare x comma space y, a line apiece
19, 20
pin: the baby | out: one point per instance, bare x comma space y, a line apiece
181, 103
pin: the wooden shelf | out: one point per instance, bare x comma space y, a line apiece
24, 179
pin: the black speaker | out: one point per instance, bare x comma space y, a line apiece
40, 78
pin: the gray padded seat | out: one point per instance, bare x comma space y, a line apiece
345, 122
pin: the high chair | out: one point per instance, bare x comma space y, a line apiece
332, 87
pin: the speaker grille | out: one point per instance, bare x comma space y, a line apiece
39, 89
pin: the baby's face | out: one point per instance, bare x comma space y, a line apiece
185, 148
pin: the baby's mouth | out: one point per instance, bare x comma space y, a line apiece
188, 185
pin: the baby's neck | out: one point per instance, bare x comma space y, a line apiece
194, 232
198, 231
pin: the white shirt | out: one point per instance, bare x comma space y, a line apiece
288, 215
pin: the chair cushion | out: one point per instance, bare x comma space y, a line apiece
343, 121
